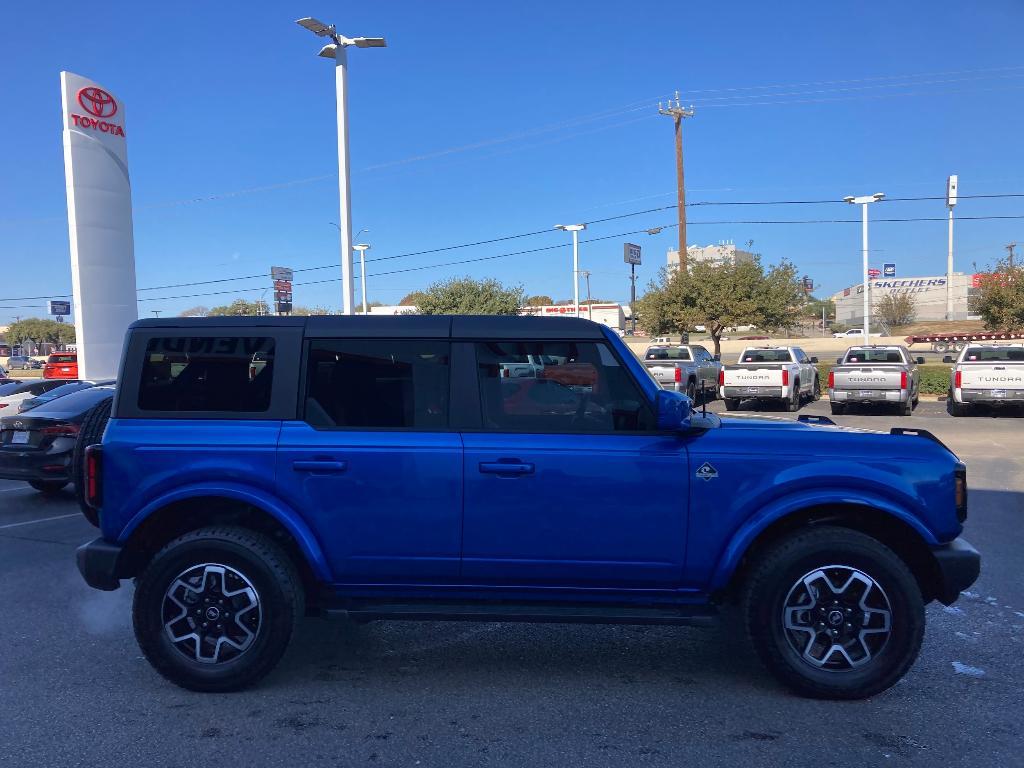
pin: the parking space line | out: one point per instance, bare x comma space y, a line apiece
40, 520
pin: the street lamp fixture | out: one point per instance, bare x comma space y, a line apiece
575, 229
336, 50
864, 201
362, 248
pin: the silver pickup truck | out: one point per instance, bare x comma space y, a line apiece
986, 374
684, 368
875, 375
782, 374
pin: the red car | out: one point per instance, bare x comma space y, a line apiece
61, 365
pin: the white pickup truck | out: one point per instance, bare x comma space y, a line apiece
875, 374
986, 374
784, 374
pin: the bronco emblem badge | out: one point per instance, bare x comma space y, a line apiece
707, 472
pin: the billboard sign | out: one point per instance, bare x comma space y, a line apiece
282, 277
889, 270
873, 273
99, 223
631, 253
60, 308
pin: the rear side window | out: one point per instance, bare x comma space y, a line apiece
377, 383
207, 373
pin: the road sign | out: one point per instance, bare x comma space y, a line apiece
808, 284
281, 273
873, 273
631, 253
60, 308
889, 270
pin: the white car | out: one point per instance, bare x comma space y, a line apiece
12, 395
852, 333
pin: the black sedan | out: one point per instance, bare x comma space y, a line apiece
37, 446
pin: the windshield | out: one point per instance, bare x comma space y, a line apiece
873, 356
994, 355
766, 356
667, 353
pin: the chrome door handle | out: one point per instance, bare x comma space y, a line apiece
323, 467
506, 468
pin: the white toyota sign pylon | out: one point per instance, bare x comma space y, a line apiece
99, 223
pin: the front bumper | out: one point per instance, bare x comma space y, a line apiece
868, 395
958, 565
103, 564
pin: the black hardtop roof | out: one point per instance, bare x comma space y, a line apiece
407, 326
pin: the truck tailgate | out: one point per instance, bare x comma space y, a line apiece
663, 372
867, 377
736, 376
994, 376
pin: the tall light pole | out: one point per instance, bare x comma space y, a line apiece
575, 229
590, 306
864, 201
677, 112
950, 202
362, 248
336, 50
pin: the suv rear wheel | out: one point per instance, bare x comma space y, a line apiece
93, 424
216, 607
834, 613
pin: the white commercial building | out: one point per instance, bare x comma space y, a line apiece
723, 253
612, 315
929, 297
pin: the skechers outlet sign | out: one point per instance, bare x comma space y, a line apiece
101, 106
909, 286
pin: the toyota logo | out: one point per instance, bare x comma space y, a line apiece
97, 102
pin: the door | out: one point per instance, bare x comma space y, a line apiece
567, 483
372, 466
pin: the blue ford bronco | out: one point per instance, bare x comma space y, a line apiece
257, 470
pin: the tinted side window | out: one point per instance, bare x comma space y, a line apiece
375, 383
582, 389
207, 373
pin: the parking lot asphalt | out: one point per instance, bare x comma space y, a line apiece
75, 691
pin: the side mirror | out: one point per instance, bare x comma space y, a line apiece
814, 360
839, 361
673, 411
718, 358
947, 359
920, 361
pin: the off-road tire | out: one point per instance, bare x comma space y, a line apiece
838, 409
691, 391
731, 403
48, 486
263, 563
93, 425
783, 564
816, 392
907, 408
954, 408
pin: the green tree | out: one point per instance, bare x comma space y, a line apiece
39, 330
412, 299
318, 310
895, 309
719, 296
196, 311
240, 307
539, 301
1000, 298
466, 296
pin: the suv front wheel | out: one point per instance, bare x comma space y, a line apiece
834, 613
216, 607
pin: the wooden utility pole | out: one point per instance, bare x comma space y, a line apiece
678, 112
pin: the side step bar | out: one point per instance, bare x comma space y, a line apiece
528, 612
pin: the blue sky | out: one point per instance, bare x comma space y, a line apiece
482, 120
